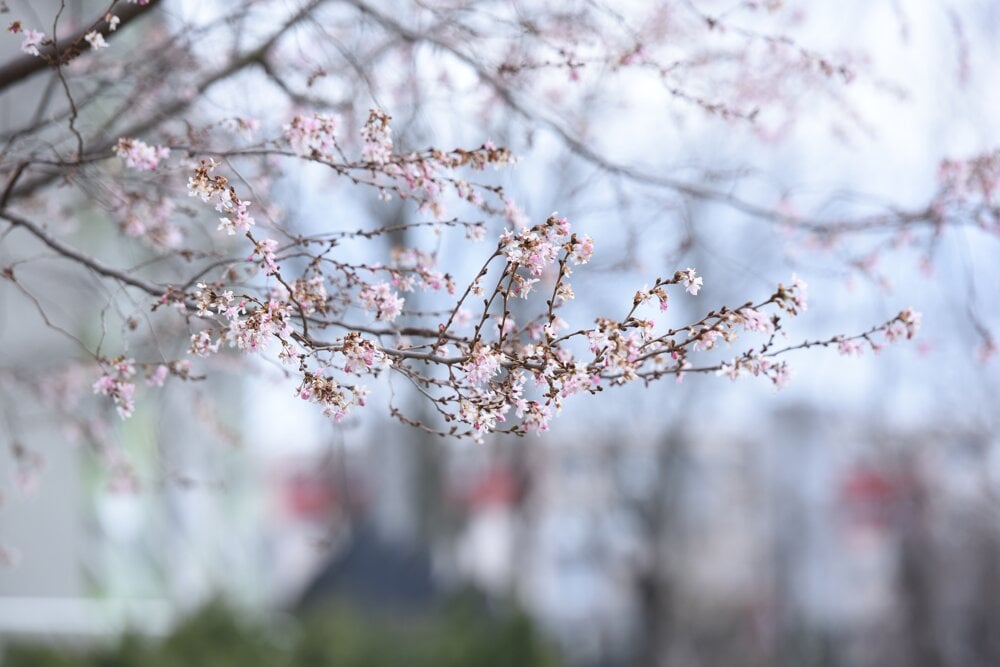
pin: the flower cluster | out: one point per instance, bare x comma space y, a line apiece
692, 282
204, 184
482, 365
32, 38
248, 324
263, 253
754, 320
794, 299
115, 381
313, 136
238, 217
377, 136
904, 326
537, 247
140, 155
381, 299
207, 187
970, 187
758, 366
150, 221
361, 355
309, 294
410, 264
335, 399
269, 319
617, 347
96, 40
422, 176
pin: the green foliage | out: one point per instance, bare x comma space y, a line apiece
460, 634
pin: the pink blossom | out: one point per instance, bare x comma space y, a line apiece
730, 370
239, 218
692, 282
32, 40
264, 254
361, 355
140, 155
513, 213
522, 286
114, 382
799, 294
582, 249
377, 136
158, 376
706, 340
313, 136
475, 232
535, 416
310, 293
483, 364
381, 299
96, 40
529, 249
578, 380
483, 415
850, 347
202, 344
203, 184
754, 320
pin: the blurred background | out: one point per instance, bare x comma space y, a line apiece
852, 518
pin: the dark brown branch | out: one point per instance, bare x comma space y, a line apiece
140, 128
27, 66
71, 253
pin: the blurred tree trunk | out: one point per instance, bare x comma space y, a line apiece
917, 574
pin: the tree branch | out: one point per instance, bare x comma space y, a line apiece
256, 56
27, 66
69, 252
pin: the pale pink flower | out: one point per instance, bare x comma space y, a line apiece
264, 254
96, 40
582, 249
32, 40
483, 364
239, 218
158, 376
313, 136
361, 355
381, 299
114, 382
140, 155
754, 320
706, 340
534, 416
692, 282
799, 293
203, 345
377, 136
850, 347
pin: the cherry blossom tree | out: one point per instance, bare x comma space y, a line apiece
201, 185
